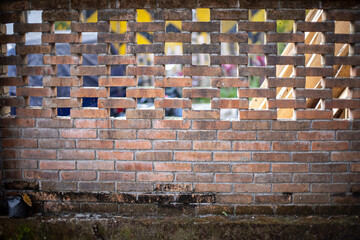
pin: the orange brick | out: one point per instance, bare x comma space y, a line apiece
135, 144
249, 168
255, 145
172, 167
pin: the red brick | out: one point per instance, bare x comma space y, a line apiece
154, 156
117, 81
211, 145
291, 125
172, 103
329, 168
134, 187
61, 60
290, 187
346, 178
252, 188
133, 166
355, 167
132, 124
273, 199
192, 156
173, 187
291, 146
95, 144
96, 187
135, 144
58, 186
54, 123
144, 113
232, 156
60, 15
34, 113
251, 168
172, 145
257, 114
329, 146
211, 187
273, 178
38, 154
237, 14
19, 143
331, 125
311, 157
114, 155
19, 164
155, 177
328, 187
276, 135
57, 144
171, 124
201, 26
345, 156
116, 176
155, 134
145, 48
96, 165
144, 92
351, 135
77, 133
231, 178
214, 167
311, 199
255, 145
172, 167
229, 103
12, 174
316, 135
235, 135
78, 176
117, 134
251, 125
201, 70
41, 175
117, 103
312, 178
172, 81
116, 15
194, 177
88, 48
234, 198
56, 165
201, 114
229, 82
76, 154
271, 157
288, 14
276, 167
172, 37
197, 135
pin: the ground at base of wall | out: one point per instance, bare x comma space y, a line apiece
96, 226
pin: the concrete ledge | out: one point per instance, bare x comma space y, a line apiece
95, 226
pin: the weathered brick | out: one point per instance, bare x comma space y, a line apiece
250, 168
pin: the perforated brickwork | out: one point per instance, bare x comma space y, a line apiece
293, 139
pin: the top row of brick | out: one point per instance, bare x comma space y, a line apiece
134, 4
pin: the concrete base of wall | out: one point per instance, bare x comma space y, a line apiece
94, 226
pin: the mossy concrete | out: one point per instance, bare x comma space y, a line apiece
92, 226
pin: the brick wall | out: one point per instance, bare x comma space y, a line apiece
199, 163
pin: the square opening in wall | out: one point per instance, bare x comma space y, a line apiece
173, 48
89, 102
173, 112
62, 26
256, 38
63, 91
63, 70
284, 26
229, 114
201, 14
200, 38
63, 112
257, 15
256, 60
200, 59
33, 38
227, 92
229, 49
35, 101
173, 70
285, 70
173, 26
117, 112
91, 81
89, 37
285, 48
118, 70
229, 70
62, 49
